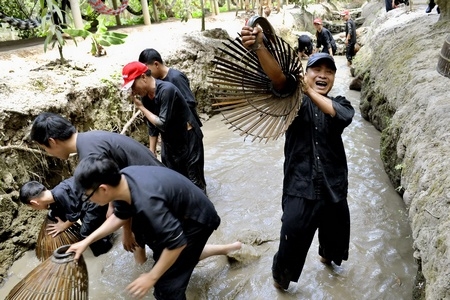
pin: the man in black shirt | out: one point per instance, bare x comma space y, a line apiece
167, 113
324, 38
305, 46
315, 167
350, 36
152, 59
170, 215
58, 137
65, 208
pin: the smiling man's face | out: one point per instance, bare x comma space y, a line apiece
320, 77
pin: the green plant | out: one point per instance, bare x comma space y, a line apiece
100, 39
52, 31
24, 10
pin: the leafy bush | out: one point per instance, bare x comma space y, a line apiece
100, 39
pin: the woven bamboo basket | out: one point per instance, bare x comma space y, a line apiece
59, 277
443, 66
46, 244
243, 93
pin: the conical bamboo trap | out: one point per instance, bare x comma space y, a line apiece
46, 244
59, 277
443, 66
243, 93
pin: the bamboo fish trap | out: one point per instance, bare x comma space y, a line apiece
443, 66
46, 244
244, 94
59, 277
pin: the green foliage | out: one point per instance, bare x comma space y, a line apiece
182, 10
100, 39
50, 30
24, 10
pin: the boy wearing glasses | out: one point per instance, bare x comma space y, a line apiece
66, 206
170, 214
58, 137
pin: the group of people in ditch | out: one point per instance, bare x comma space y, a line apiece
325, 42
163, 203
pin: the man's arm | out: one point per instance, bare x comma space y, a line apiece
329, 38
151, 117
146, 281
250, 36
349, 32
109, 226
153, 141
57, 228
324, 103
128, 240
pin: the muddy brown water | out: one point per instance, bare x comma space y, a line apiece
244, 182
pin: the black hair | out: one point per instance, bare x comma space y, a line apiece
30, 190
49, 125
149, 56
95, 170
148, 73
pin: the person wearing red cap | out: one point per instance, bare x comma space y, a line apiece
155, 63
315, 179
324, 38
168, 114
350, 36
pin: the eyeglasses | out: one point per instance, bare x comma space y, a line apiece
85, 197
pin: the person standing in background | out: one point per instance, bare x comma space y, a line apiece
152, 59
324, 38
350, 36
167, 113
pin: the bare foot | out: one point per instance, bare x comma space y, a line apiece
234, 246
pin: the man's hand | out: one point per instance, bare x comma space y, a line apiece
128, 241
251, 37
137, 101
78, 249
57, 228
140, 287
305, 86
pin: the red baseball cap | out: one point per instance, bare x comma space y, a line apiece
130, 72
317, 21
345, 13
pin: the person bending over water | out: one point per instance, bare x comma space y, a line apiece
169, 214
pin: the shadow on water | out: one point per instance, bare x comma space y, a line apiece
244, 182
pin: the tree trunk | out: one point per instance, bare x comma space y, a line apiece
202, 5
145, 12
76, 14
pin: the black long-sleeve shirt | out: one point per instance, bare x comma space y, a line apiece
325, 39
350, 28
314, 150
162, 200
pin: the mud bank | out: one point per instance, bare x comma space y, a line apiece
407, 100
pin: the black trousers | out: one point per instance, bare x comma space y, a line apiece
192, 162
172, 285
301, 218
350, 51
